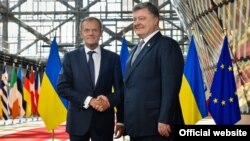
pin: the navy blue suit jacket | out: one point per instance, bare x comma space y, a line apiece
75, 85
152, 87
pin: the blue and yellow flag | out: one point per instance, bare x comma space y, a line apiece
124, 54
192, 93
51, 107
223, 101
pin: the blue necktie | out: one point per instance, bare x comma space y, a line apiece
91, 66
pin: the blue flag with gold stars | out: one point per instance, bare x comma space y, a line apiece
223, 101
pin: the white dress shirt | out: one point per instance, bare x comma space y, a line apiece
97, 63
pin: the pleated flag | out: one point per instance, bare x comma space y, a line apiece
13, 97
192, 93
37, 87
21, 101
51, 107
4, 92
27, 94
223, 101
124, 54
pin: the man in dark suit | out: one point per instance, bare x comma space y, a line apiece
86, 80
152, 81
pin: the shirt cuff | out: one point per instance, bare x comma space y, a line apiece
118, 123
86, 102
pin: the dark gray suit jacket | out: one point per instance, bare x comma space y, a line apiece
152, 87
75, 85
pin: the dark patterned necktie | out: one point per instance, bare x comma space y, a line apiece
91, 66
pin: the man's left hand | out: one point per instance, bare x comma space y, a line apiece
119, 130
164, 129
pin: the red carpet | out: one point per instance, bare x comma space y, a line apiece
37, 134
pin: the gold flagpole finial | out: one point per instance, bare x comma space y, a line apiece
225, 31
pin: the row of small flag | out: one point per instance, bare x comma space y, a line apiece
20, 98
24, 97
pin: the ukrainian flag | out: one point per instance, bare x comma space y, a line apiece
192, 93
51, 107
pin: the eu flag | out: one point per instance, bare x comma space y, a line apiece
124, 54
223, 101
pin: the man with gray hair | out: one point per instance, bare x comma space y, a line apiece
86, 80
152, 80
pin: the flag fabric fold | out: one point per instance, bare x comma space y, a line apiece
13, 97
223, 101
124, 54
4, 92
37, 87
27, 94
51, 107
192, 93
21, 101
1, 114
32, 93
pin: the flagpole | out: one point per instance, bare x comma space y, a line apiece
53, 134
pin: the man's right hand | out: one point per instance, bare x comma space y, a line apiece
100, 103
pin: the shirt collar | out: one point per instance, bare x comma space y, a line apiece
150, 36
97, 50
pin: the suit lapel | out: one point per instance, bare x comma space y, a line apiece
128, 64
143, 52
148, 46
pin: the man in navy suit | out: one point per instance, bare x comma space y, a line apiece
152, 80
86, 80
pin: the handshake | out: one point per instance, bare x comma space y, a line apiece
100, 103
